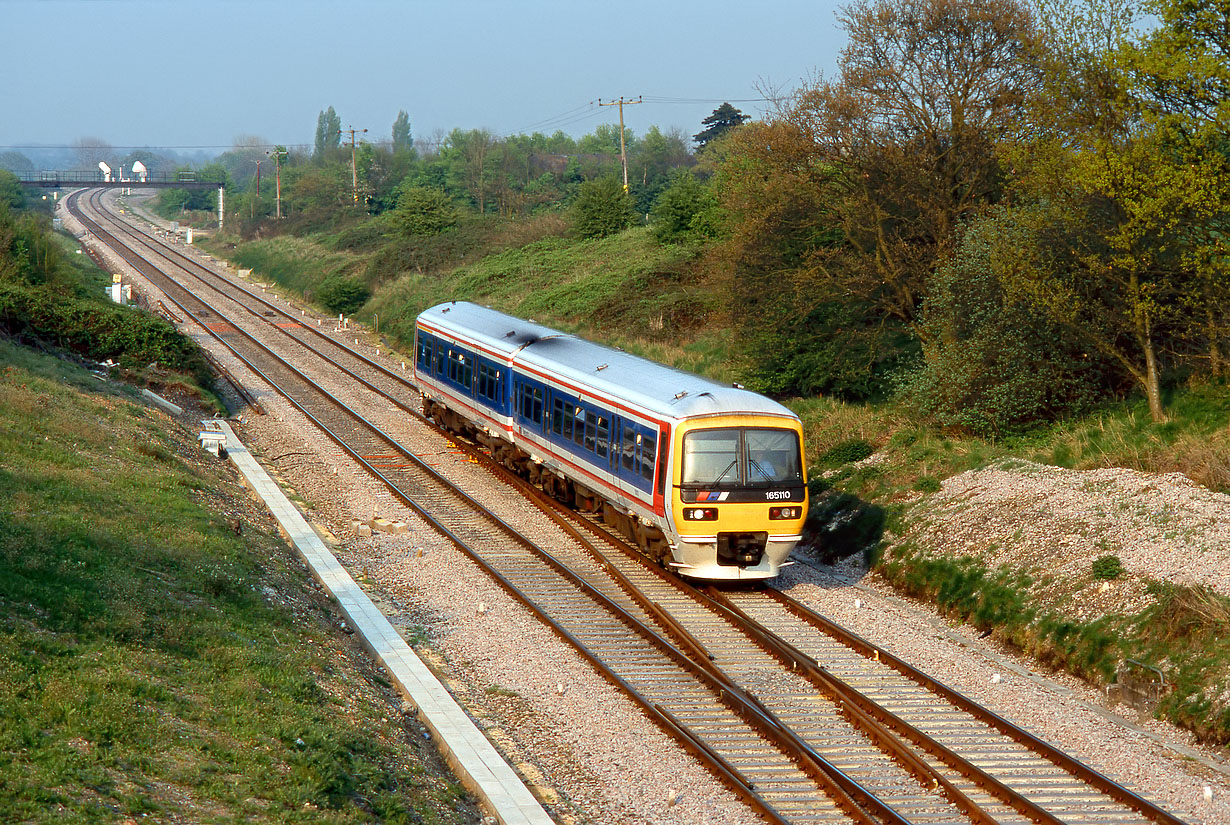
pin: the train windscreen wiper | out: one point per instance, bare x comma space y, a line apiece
722, 474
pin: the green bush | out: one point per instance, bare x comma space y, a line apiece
424, 210
684, 212
994, 362
345, 295
1107, 567
602, 208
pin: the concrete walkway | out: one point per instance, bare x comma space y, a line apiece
478, 766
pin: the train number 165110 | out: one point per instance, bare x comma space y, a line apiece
777, 495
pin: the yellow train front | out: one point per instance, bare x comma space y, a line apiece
704, 477
740, 496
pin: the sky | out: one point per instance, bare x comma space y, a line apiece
189, 73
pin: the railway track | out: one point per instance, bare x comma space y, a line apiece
805, 722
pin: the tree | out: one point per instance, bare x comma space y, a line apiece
685, 211
842, 202
722, 120
1131, 159
993, 362
12, 194
468, 155
1182, 73
423, 210
88, 151
402, 141
328, 133
928, 90
602, 208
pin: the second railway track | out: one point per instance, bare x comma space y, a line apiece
807, 725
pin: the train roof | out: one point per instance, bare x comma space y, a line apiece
659, 389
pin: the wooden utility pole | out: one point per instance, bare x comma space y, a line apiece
623, 153
278, 153
354, 172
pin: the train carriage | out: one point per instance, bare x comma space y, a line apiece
704, 477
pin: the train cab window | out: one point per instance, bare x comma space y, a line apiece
489, 382
772, 457
736, 456
648, 456
711, 456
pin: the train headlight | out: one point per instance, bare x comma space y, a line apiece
700, 513
778, 513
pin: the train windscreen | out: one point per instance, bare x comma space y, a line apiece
741, 457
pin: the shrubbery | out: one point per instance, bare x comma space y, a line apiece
993, 361
685, 212
342, 294
43, 300
602, 208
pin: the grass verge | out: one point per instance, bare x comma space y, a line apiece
158, 659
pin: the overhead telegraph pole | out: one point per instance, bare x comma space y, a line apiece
354, 172
623, 154
278, 153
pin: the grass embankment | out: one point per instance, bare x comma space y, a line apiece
626, 290
156, 660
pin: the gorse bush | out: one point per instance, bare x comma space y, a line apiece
602, 208
423, 210
343, 295
848, 451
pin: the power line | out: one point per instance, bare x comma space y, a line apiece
693, 100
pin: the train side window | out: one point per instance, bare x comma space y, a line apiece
460, 370
424, 350
530, 404
631, 439
604, 430
557, 417
536, 407
578, 427
489, 382
591, 431
439, 350
649, 454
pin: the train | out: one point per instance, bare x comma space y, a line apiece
706, 478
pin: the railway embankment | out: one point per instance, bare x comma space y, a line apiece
163, 654
1116, 575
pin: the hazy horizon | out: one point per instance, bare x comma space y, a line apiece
195, 77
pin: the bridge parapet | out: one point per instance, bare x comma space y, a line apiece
157, 180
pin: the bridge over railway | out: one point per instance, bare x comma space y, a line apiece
155, 180
79, 178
